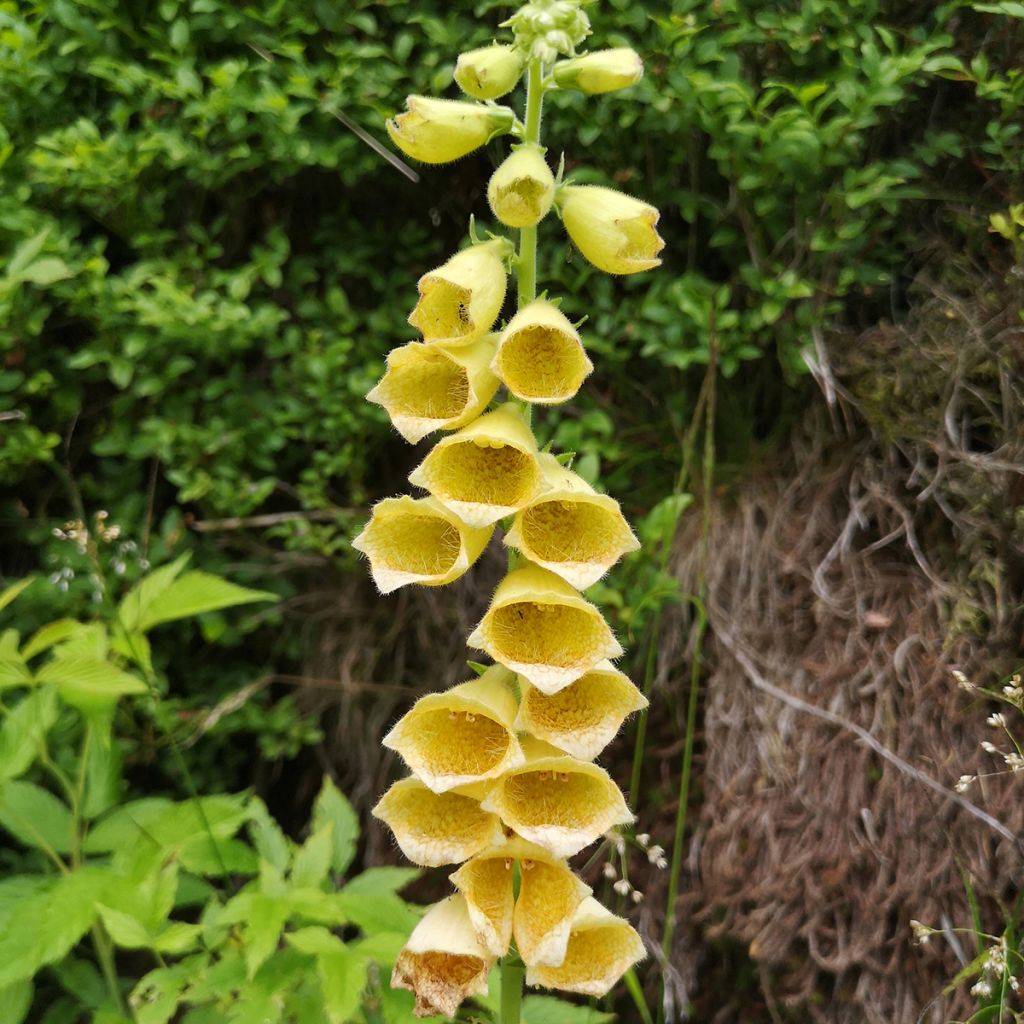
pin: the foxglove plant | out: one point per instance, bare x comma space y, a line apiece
503, 781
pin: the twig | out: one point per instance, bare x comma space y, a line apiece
325, 515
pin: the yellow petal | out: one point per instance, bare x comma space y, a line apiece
583, 718
614, 231
490, 72
522, 189
443, 963
601, 948
432, 829
409, 540
463, 735
539, 626
486, 470
601, 71
486, 883
540, 357
429, 387
439, 131
570, 529
460, 300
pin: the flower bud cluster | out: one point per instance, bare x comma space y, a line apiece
503, 780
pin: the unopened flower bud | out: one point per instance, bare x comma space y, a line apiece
439, 131
489, 72
522, 189
614, 231
600, 71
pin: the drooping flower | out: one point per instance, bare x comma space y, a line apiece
418, 540
432, 387
570, 528
460, 300
601, 948
443, 962
600, 71
615, 232
486, 470
490, 72
583, 718
539, 626
432, 829
556, 801
439, 131
540, 917
522, 189
463, 735
540, 357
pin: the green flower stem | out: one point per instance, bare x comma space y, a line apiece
512, 975
526, 265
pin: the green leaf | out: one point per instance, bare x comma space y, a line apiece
158, 993
548, 1010
16, 999
197, 592
24, 730
35, 816
1010, 8
382, 947
134, 606
8, 594
47, 271
177, 938
102, 778
52, 633
79, 978
314, 941
331, 806
89, 684
126, 931
14, 672
266, 919
17, 888
313, 859
342, 979
270, 842
369, 901
23, 256
215, 856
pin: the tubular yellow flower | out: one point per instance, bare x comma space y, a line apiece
556, 801
463, 735
460, 300
443, 962
600, 71
583, 718
522, 189
540, 357
616, 232
570, 528
602, 947
490, 72
409, 540
429, 387
484, 471
541, 917
432, 829
439, 131
539, 626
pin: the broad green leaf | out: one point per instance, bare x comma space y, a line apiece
45, 638
35, 816
332, 806
383, 947
158, 993
16, 999
216, 856
380, 880
14, 672
313, 858
47, 271
81, 979
270, 842
23, 732
135, 604
548, 1010
315, 941
26, 253
126, 931
177, 937
197, 592
86, 640
17, 888
316, 905
397, 1007
342, 979
102, 778
266, 919
370, 902
88, 683
8, 594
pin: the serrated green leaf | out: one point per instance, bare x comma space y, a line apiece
332, 806
24, 730
266, 919
16, 1000
313, 858
14, 672
342, 979
369, 901
134, 606
8, 594
47, 271
195, 593
35, 816
314, 941
383, 947
177, 937
316, 905
49, 635
102, 778
87, 683
126, 931
270, 842
215, 857
81, 979
24, 255
156, 996
548, 1010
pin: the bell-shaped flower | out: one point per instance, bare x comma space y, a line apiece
539, 626
439, 131
443, 962
463, 735
490, 72
556, 801
616, 232
570, 528
432, 829
484, 471
522, 189
583, 718
410, 540
600, 71
431, 387
460, 300
540, 357
540, 917
602, 947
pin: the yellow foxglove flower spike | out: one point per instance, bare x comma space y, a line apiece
490, 72
484, 471
583, 718
600, 71
432, 829
443, 962
539, 626
410, 540
439, 131
615, 232
432, 387
602, 947
522, 189
570, 528
460, 300
556, 801
463, 735
540, 357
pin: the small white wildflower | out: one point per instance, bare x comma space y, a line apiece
996, 720
989, 748
922, 933
654, 853
622, 887
59, 533
1014, 984
981, 988
962, 681
964, 783
661, 863
1014, 761
609, 870
119, 567
143, 564
643, 838
637, 896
